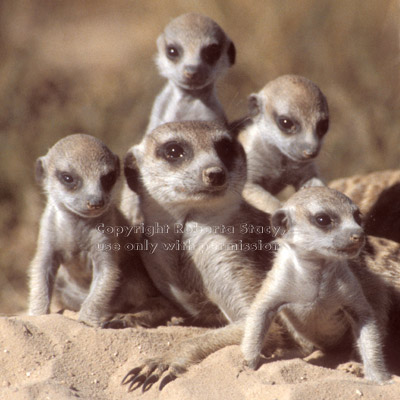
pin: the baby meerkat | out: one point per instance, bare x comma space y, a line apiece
378, 196
282, 135
314, 282
78, 174
193, 52
89, 269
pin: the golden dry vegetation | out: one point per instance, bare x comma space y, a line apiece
87, 66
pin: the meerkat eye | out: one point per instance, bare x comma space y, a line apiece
211, 54
323, 219
358, 217
322, 127
286, 124
67, 179
172, 52
226, 151
108, 180
173, 151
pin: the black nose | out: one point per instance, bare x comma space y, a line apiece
214, 176
95, 203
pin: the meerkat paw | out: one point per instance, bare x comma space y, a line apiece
150, 372
379, 377
130, 320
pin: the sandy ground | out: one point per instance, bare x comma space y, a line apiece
56, 357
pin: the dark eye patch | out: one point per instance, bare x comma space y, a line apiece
322, 220
107, 181
226, 151
322, 127
287, 125
211, 54
174, 152
173, 52
68, 179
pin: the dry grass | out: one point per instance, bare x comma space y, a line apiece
74, 66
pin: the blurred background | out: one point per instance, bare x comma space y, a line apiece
72, 66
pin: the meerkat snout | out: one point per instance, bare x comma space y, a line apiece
214, 176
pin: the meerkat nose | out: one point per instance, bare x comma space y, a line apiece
95, 203
214, 176
356, 237
310, 153
190, 71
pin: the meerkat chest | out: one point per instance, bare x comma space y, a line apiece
174, 105
317, 310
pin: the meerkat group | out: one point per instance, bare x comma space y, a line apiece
219, 259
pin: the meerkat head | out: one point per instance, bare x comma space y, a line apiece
321, 221
78, 174
291, 113
187, 164
193, 51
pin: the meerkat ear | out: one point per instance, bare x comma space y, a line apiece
160, 43
40, 170
131, 171
232, 53
281, 219
254, 105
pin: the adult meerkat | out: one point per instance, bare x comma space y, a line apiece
282, 136
316, 282
213, 251
89, 269
193, 52
378, 196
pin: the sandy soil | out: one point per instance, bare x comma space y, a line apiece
56, 357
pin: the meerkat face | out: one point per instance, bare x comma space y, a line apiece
322, 221
78, 174
293, 115
193, 51
191, 164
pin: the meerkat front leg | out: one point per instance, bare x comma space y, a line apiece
368, 337
96, 307
42, 276
258, 197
